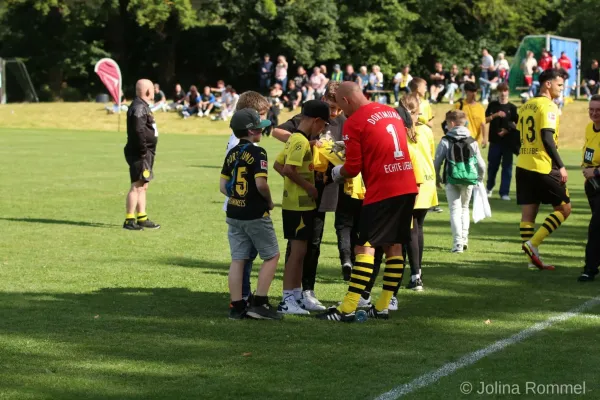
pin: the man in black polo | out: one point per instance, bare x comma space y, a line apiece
142, 136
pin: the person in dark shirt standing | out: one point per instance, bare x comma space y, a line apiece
140, 150
502, 117
265, 73
244, 181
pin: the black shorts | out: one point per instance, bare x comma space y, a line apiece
140, 169
536, 188
298, 225
386, 222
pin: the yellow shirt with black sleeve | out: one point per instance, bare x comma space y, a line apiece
425, 112
298, 153
475, 115
246, 202
325, 155
421, 155
591, 148
537, 114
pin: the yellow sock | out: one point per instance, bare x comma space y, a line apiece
392, 275
361, 275
141, 217
129, 216
551, 223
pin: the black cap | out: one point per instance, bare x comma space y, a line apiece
316, 109
247, 118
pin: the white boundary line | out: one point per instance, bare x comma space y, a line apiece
470, 359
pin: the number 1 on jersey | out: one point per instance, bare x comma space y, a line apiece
398, 154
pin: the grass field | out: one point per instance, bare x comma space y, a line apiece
90, 311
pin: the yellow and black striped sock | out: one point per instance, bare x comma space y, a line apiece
141, 217
392, 275
527, 230
551, 223
361, 274
129, 216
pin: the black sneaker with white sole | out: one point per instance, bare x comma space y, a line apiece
265, 311
586, 277
147, 224
415, 285
132, 225
373, 313
333, 314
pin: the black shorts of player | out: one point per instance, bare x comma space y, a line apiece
536, 188
298, 225
140, 169
386, 222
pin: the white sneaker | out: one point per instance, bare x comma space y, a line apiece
451, 102
489, 193
458, 248
362, 303
485, 102
310, 302
393, 306
505, 197
289, 305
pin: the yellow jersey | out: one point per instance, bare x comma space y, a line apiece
297, 152
421, 154
537, 114
425, 112
475, 115
325, 155
591, 148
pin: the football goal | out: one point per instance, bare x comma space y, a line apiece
15, 83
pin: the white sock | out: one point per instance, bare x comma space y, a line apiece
288, 293
298, 293
415, 277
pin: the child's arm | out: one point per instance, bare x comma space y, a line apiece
278, 168
222, 186
263, 189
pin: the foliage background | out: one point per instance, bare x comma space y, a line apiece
200, 41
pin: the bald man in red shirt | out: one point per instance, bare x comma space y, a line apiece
375, 138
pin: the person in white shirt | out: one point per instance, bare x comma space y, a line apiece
401, 81
502, 67
281, 71
487, 61
229, 103
259, 103
376, 78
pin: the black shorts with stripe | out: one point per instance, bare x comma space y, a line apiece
298, 225
536, 188
386, 222
140, 168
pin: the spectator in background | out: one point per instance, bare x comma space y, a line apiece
401, 81
364, 77
502, 117
281, 71
178, 98
375, 78
475, 114
160, 100
302, 82
228, 103
527, 67
488, 85
438, 79
565, 63
535, 82
467, 76
545, 61
350, 75
337, 75
274, 99
265, 72
318, 82
452, 82
207, 102
323, 69
591, 81
292, 97
113, 109
193, 100
220, 89
487, 62
502, 67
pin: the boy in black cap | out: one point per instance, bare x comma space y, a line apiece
244, 181
299, 195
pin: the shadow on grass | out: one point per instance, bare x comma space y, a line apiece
61, 222
207, 166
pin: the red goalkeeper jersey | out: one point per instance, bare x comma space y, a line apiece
376, 146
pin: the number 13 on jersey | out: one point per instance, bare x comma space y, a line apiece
398, 154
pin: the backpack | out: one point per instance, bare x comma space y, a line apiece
461, 162
230, 186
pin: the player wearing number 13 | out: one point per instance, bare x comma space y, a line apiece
541, 175
376, 146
